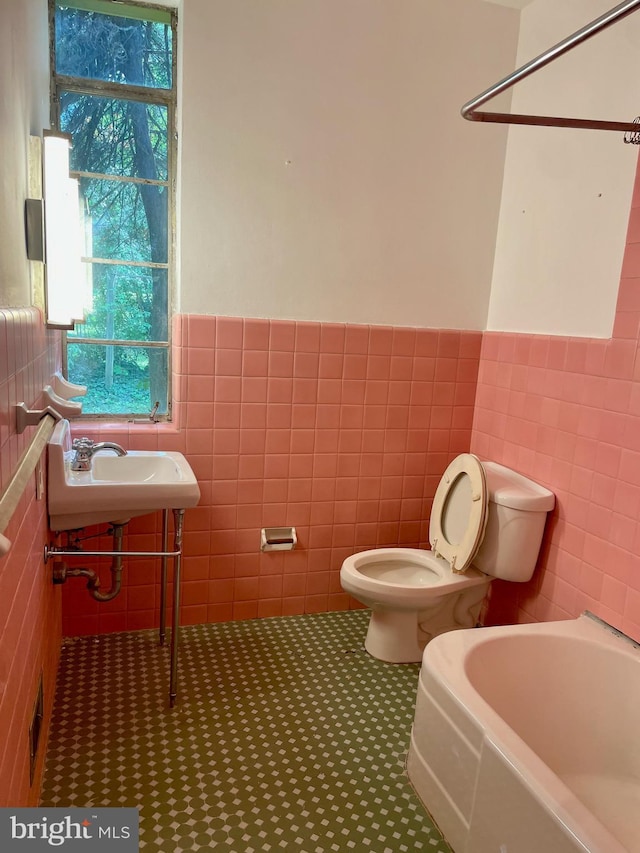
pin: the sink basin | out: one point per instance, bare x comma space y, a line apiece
135, 467
116, 488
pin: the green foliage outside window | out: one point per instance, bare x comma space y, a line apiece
114, 79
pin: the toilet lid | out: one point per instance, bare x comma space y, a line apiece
459, 513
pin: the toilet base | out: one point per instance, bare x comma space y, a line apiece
394, 636
400, 636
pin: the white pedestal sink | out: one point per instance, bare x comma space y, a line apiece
113, 490
116, 488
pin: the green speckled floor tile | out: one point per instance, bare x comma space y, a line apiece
286, 735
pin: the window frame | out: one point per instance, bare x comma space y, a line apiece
144, 94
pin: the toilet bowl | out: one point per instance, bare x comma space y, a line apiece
486, 521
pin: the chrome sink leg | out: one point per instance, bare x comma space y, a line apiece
163, 577
178, 517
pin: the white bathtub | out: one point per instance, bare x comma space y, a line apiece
527, 738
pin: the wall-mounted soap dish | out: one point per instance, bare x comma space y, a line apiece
66, 389
63, 406
57, 403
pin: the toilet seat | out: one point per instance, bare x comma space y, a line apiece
459, 512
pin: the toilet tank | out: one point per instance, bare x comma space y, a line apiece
517, 514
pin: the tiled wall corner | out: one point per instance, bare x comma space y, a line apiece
566, 411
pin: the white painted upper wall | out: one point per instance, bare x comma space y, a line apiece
567, 193
328, 176
24, 111
326, 173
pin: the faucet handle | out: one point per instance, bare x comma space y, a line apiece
83, 448
80, 443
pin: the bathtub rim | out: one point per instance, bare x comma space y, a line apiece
443, 664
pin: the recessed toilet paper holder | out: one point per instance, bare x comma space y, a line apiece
278, 538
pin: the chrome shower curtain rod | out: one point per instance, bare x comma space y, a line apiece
470, 109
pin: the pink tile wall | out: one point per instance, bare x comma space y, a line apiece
342, 431
566, 411
30, 623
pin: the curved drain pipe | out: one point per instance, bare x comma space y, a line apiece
61, 571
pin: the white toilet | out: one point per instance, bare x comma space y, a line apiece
487, 522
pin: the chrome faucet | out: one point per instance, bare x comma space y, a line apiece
85, 449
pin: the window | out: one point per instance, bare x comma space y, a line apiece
113, 90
